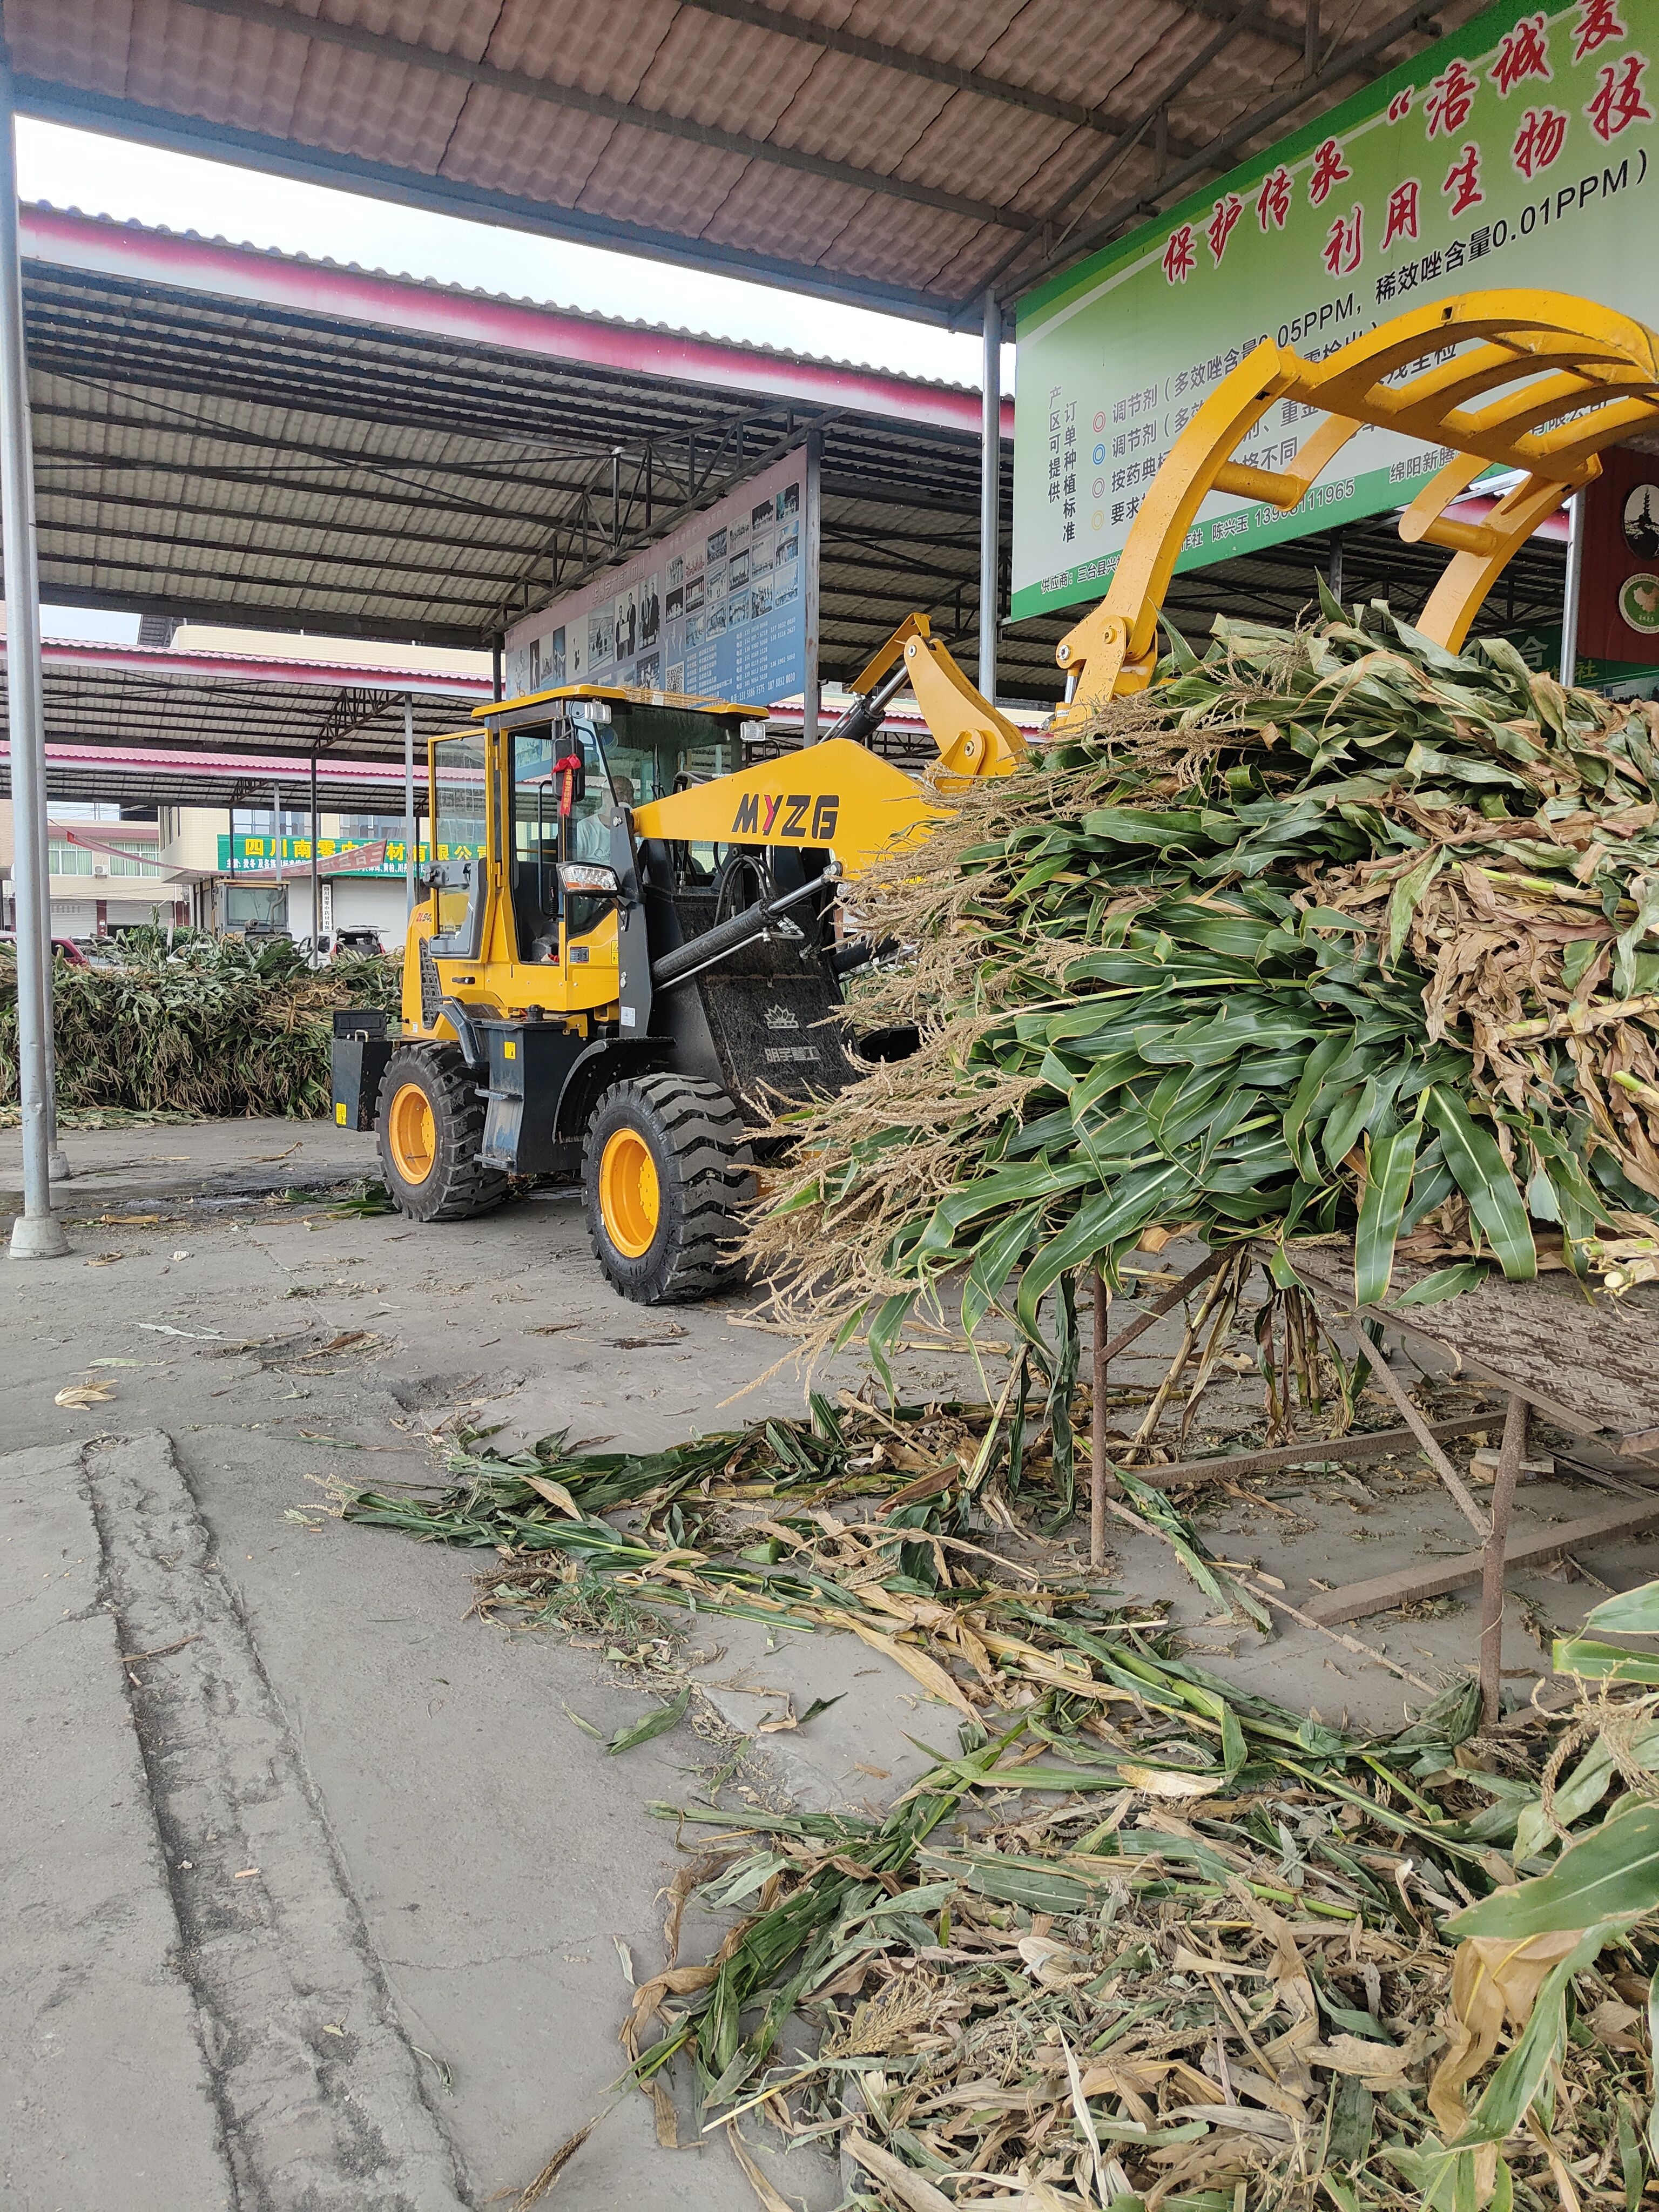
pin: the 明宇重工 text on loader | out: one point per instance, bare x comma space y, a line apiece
633, 945
631, 951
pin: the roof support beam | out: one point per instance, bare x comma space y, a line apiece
191, 602
630, 113
1419, 21
765, 18
1265, 26
1156, 113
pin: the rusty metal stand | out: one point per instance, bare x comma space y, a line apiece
1514, 1450
1496, 1553
1103, 1353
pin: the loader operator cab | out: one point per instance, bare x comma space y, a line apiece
626, 756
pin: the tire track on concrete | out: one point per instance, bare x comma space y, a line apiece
103, 2079
321, 2101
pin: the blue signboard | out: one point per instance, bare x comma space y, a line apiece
716, 610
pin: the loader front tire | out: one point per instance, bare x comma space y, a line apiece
667, 1170
430, 1120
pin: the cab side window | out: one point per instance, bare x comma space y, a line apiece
542, 837
535, 844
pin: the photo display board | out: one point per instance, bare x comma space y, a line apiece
1518, 152
715, 610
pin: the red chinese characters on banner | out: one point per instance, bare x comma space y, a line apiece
1522, 52
1598, 22
1462, 184
1219, 229
1273, 202
1401, 106
1617, 102
1329, 170
1401, 219
1542, 135
1179, 259
1450, 98
1345, 248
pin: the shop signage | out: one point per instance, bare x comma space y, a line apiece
1519, 151
388, 858
716, 610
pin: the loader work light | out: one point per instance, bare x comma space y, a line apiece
588, 875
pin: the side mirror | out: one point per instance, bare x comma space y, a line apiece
590, 877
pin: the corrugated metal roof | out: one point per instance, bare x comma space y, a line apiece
234, 435
96, 242
894, 151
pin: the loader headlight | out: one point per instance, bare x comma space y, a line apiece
589, 876
751, 732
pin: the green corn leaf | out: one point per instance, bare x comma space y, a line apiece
1484, 1180
1444, 1283
1603, 1662
1526, 2068
1610, 1877
1408, 895
655, 1724
1633, 1613
1387, 1184
1632, 2170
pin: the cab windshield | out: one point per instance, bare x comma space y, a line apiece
654, 751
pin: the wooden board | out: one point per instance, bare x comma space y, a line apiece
1583, 1359
1435, 1578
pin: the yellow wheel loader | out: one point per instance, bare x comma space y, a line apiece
632, 949
633, 944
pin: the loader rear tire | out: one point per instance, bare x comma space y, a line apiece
667, 1171
429, 1121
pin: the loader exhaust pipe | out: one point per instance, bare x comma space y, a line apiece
728, 937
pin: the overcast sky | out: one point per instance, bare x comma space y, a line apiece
114, 177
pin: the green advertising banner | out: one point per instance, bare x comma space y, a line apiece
256, 853
1520, 151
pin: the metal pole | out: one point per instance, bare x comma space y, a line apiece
1570, 590
990, 494
496, 643
316, 881
409, 825
36, 1234
812, 696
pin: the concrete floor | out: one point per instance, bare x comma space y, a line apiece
327, 1906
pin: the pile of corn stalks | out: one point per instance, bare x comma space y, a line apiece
1143, 1934
1332, 930
203, 1028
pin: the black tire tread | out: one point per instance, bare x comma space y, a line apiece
705, 1136
467, 1186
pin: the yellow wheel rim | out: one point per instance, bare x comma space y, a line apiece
630, 1200
413, 1134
